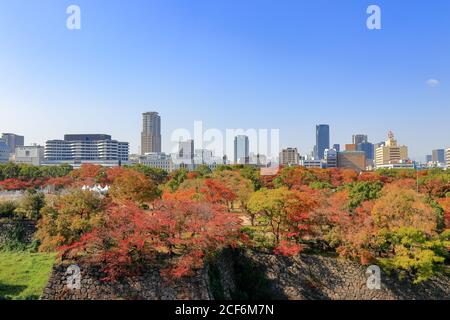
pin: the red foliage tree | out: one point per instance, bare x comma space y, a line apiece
60, 182
89, 174
17, 184
216, 192
175, 236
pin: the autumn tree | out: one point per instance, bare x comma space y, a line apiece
174, 236
134, 186
285, 213
157, 175
399, 208
67, 217
241, 187
89, 174
445, 204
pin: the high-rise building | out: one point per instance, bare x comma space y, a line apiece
289, 157
428, 158
350, 147
151, 133
359, 138
241, 149
77, 149
390, 152
4, 152
368, 149
186, 151
322, 140
33, 155
331, 158
352, 160
438, 156
337, 147
13, 141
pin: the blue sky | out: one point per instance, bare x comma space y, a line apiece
287, 64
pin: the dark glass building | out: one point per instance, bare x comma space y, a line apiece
368, 149
322, 140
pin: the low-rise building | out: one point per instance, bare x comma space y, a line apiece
398, 165
78, 149
352, 160
289, 157
447, 157
313, 163
331, 158
157, 160
32, 155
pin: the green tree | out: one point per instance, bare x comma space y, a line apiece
416, 253
155, 174
363, 191
177, 177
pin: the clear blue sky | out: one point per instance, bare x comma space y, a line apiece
230, 63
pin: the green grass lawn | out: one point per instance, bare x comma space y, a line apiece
23, 275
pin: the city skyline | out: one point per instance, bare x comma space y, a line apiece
312, 152
287, 67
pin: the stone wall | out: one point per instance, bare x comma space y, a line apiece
320, 277
252, 275
25, 228
148, 286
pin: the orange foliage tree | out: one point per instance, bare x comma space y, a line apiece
131, 185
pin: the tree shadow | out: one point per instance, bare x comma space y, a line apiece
7, 290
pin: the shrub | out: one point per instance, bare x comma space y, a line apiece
30, 206
7, 209
12, 239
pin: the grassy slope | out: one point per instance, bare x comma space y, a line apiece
23, 275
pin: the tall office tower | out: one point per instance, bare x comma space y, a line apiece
438, 156
289, 157
359, 138
322, 140
241, 150
428, 158
186, 151
390, 152
151, 133
13, 141
337, 147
